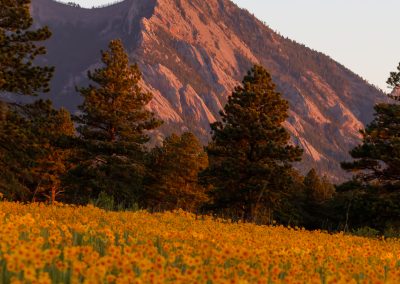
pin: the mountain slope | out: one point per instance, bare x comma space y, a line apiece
193, 52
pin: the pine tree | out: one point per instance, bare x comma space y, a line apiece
113, 124
317, 189
35, 158
174, 170
18, 50
15, 156
54, 128
377, 159
372, 197
250, 156
18, 75
394, 82
114, 109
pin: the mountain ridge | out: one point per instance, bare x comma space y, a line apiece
192, 53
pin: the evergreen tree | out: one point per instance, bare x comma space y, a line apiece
377, 159
15, 156
372, 198
318, 189
112, 126
54, 128
35, 158
394, 82
317, 200
18, 50
250, 156
18, 74
174, 169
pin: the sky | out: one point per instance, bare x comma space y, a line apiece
363, 35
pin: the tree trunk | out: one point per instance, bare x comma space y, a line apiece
53, 195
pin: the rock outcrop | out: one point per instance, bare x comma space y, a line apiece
192, 53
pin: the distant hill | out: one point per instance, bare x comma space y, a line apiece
193, 52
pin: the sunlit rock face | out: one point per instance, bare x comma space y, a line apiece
193, 52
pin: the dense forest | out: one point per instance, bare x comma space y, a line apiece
102, 155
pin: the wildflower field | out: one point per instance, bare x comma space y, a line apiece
64, 244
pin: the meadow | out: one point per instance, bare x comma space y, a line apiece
69, 244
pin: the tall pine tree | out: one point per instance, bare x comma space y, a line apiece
36, 158
19, 47
374, 194
250, 156
377, 159
318, 190
173, 178
18, 50
394, 82
55, 130
113, 124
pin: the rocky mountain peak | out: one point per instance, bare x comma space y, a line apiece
192, 53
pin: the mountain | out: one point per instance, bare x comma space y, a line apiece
193, 53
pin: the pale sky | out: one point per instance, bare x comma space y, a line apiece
363, 35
